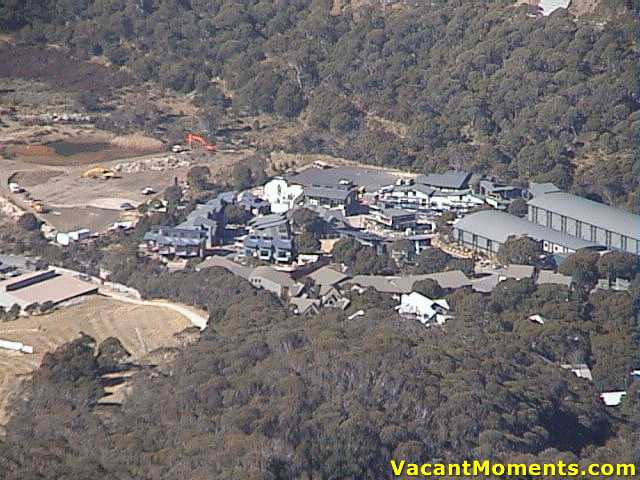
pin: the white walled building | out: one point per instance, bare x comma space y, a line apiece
281, 195
423, 308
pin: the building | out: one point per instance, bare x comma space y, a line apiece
227, 264
454, 200
451, 180
487, 230
342, 197
363, 178
394, 219
327, 276
305, 306
498, 195
272, 280
587, 220
282, 195
40, 287
451, 279
203, 229
612, 399
517, 272
253, 204
549, 277
270, 239
547, 7
425, 310
175, 241
580, 370
406, 195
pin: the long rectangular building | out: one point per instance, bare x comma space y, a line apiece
587, 220
485, 231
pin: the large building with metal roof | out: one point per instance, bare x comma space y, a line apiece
40, 287
485, 231
586, 220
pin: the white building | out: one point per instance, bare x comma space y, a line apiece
281, 195
423, 308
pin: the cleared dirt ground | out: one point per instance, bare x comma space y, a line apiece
140, 328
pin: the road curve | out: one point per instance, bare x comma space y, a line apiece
195, 318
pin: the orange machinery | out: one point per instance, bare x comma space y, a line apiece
199, 140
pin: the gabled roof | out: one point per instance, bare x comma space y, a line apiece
231, 266
305, 305
499, 226
519, 271
332, 193
369, 178
455, 179
327, 276
276, 276
393, 284
550, 277
588, 211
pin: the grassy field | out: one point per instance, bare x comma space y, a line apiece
141, 329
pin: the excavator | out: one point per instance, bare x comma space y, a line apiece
191, 138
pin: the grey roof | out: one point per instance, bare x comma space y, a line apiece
519, 271
588, 211
550, 277
304, 305
391, 284
397, 212
499, 226
231, 266
333, 193
327, 276
427, 190
269, 273
536, 189
268, 221
449, 179
486, 283
369, 178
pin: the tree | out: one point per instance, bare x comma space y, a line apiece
173, 194
306, 242
198, 177
432, 260
289, 100
29, 222
236, 215
583, 268
429, 288
518, 207
520, 250
613, 265
88, 100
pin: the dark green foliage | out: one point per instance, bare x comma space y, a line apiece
434, 260
362, 259
306, 242
520, 250
237, 215
198, 177
518, 207
429, 288
29, 222
322, 398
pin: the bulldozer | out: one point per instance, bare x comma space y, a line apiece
99, 172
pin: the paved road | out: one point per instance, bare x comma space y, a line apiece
194, 317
